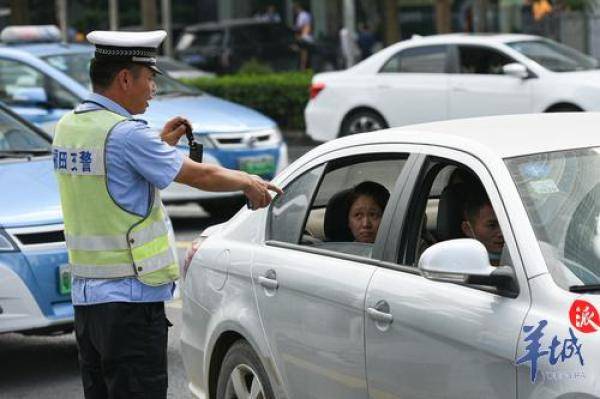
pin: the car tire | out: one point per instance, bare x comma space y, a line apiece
361, 122
242, 375
223, 208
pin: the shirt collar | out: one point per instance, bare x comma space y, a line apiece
108, 104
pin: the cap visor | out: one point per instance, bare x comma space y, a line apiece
156, 69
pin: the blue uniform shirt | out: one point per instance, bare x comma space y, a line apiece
135, 156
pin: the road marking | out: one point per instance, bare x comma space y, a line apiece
183, 244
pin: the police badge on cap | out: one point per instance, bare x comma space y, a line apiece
136, 47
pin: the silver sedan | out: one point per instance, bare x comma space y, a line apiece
459, 259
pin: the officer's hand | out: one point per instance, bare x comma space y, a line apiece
174, 129
258, 192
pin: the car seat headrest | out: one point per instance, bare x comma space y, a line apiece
336, 218
450, 212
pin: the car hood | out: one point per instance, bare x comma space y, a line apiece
29, 193
207, 114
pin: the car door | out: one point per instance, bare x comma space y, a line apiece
310, 290
412, 86
479, 86
431, 339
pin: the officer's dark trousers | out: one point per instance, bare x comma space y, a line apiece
122, 350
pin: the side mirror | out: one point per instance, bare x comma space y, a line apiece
516, 70
465, 260
30, 95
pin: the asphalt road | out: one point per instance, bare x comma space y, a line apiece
46, 366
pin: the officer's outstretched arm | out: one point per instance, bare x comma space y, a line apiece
216, 178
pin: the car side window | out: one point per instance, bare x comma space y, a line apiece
17, 136
288, 211
481, 60
20, 82
23, 84
74, 66
350, 203
424, 59
450, 202
59, 96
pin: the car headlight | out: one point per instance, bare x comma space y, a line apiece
200, 139
6, 244
268, 137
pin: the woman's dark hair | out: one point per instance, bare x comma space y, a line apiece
476, 198
374, 190
102, 73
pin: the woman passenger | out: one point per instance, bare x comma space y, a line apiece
366, 203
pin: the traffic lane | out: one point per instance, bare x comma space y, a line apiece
39, 367
42, 367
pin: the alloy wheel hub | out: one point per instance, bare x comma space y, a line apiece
244, 383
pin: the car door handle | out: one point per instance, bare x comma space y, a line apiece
379, 316
384, 87
269, 280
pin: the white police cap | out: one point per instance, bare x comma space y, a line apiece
136, 47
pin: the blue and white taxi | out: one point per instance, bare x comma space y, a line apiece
35, 283
41, 79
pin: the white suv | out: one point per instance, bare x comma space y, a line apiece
452, 76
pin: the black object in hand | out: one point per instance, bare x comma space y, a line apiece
196, 149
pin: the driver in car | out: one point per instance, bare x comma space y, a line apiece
480, 223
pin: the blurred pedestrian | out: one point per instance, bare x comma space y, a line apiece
366, 40
119, 238
303, 31
540, 9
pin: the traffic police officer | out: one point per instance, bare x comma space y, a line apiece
110, 168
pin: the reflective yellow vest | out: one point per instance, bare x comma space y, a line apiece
103, 239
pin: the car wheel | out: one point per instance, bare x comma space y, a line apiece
223, 208
361, 122
242, 375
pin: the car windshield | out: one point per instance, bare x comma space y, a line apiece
554, 56
17, 138
77, 66
561, 193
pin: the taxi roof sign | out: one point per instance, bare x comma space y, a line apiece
30, 34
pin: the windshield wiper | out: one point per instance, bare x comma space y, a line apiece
22, 153
585, 288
